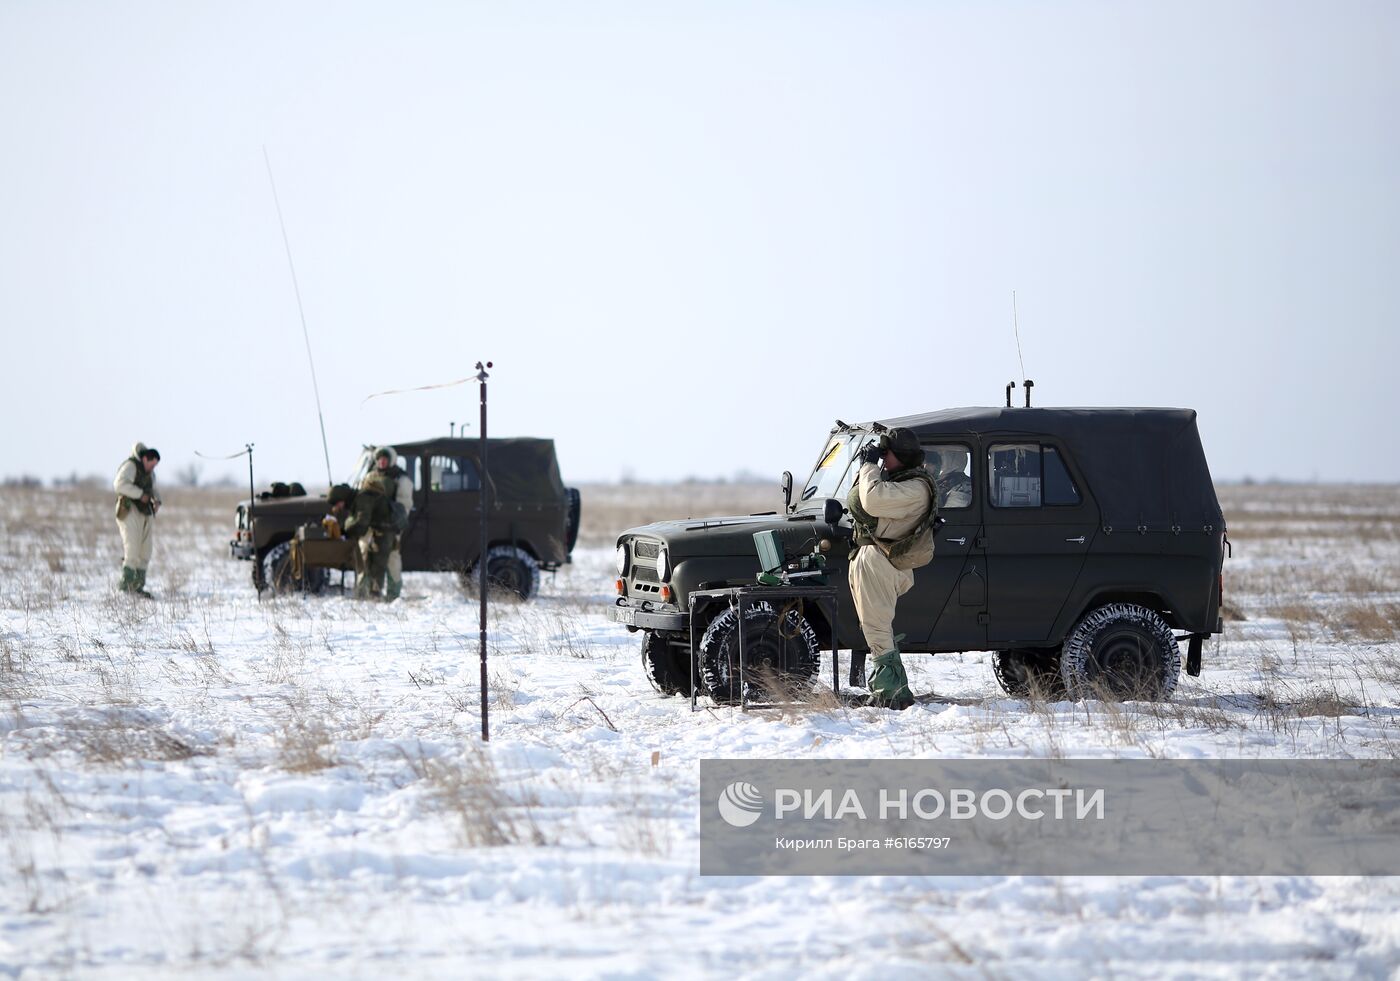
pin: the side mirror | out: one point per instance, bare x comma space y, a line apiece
787, 491
833, 510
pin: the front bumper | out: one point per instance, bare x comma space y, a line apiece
624, 613
241, 550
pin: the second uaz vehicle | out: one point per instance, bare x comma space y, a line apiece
533, 518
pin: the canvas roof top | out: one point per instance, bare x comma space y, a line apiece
1145, 466
523, 468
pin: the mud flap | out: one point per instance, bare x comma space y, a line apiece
1193, 656
857, 679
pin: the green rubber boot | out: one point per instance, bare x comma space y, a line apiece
889, 685
128, 583
140, 585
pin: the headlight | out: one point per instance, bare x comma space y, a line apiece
663, 563
621, 559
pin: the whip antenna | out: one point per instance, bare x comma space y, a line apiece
1026, 383
296, 288
1016, 326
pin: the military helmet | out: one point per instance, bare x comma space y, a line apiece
905, 446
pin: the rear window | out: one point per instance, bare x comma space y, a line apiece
1028, 475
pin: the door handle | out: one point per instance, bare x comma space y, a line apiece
958, 541
1077, 541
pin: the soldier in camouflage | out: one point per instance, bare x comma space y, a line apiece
892, 510
137, 504
364, 518
386, 464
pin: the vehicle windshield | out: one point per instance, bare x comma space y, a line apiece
362, 466
829, 477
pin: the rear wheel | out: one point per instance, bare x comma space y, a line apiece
1121, 651
1029, 673
780, 655
509, 569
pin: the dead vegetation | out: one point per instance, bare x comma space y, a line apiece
466, 787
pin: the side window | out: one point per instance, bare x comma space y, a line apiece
451, 473
1028, 475
951, 467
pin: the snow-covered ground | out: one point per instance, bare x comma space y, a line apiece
212, 785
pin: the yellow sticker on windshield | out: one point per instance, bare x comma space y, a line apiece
830, 457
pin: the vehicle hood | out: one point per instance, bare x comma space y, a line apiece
731, 535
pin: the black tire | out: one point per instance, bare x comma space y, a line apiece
1122, 652
1029, 673
273, 570
780, 659
510, 570
666, 665
575, 515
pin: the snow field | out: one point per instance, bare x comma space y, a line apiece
212, 785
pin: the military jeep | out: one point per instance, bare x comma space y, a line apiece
533, 521
1080, 546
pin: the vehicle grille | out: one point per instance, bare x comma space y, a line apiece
645, 581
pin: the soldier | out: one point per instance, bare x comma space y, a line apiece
954, 485
137, 504
364, 518
386, 463
893, 512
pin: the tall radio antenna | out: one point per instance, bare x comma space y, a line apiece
1016, 325
306, 335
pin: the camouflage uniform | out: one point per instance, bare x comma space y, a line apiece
136, 517
402, 491
368, 527
898, 507
887, 509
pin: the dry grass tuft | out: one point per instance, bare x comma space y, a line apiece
306, 736
126, 737
468, 789
1325, 702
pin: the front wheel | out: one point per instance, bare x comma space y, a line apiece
780, 655
1121, 651
273, 570
667, 665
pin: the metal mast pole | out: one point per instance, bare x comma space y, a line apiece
481, 377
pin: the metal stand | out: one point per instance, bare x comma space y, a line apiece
741, 599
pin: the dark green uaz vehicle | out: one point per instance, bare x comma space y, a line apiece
1080, 546
532, 524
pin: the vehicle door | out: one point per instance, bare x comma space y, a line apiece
451, 511
1039, 525
413, 545
942, 610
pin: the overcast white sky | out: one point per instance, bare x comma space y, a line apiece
690, 235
